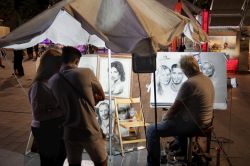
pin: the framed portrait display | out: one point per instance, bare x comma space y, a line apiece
102, 110
226, 44
121, 75
89, 61
169, 78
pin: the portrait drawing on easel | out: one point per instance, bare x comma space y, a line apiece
169, 78
212, 64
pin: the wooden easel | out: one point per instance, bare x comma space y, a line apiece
135, 124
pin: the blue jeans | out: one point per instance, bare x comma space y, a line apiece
171, 127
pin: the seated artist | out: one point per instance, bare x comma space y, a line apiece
191, 111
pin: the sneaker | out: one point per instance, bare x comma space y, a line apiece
178, 152
174, 145
164, 159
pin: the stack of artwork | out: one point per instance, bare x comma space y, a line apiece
121, 83
125, 113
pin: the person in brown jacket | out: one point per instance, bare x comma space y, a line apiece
78, 91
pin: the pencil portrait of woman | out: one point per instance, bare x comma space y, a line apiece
163, 74
117, 78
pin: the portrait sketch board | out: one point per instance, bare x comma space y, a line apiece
166, 90
218, 76
89, 61
205, 59
102, 110
121, 75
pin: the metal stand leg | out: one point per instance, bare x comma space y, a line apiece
189, 151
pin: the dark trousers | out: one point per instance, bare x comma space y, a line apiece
18, 68
50, 144
173, 127
18, 60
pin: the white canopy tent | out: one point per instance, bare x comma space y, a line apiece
65, 30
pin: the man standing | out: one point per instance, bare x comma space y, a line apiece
2, 55
78, 91
18, 63
191, 111
30, 53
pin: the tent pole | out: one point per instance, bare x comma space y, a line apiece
110, 109
155, 101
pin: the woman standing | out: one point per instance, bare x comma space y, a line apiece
47, 117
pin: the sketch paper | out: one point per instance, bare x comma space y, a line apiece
89, 61
219, 76
102, 110
165, 91
120, 76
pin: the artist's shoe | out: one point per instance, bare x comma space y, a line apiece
164, 159
178, 152
174, 145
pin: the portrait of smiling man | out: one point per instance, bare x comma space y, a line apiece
176, 77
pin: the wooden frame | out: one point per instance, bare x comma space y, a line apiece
134, 124
121, 75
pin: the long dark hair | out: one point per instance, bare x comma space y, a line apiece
119, 67
49, 64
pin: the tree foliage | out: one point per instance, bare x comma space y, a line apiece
16, 12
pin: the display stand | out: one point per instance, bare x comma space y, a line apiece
135, 124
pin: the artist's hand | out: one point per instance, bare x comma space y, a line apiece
168, 115
98, 98
165, 117
172, 111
